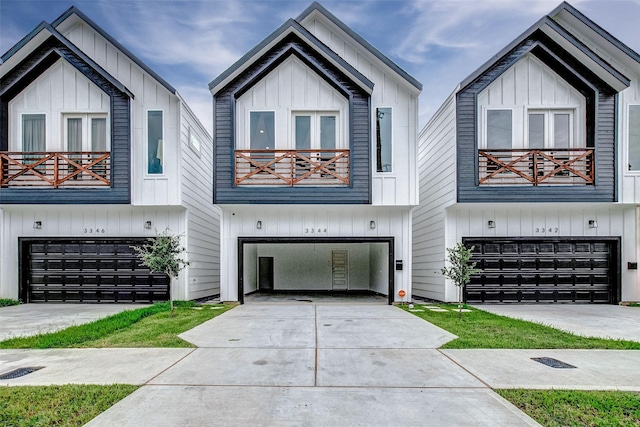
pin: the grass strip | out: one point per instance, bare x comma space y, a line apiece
144, 327
480, 329
64, 405
6, 302
553, 408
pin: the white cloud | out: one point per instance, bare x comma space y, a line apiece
199, 99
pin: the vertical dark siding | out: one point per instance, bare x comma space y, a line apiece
24, 74
359, 192
600, 123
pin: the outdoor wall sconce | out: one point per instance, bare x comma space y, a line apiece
372, 224
259, 225
147, 225
37, 224
593, 223
491, 224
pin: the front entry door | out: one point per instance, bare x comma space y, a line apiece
265, 273
340, 270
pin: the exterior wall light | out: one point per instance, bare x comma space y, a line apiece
372, 224
259, 225
147, 225
593, 223
37, 225
491, 224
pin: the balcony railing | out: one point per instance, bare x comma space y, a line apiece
66, 169
292, 167
561, 166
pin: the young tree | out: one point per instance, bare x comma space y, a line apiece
460, 269
163, 255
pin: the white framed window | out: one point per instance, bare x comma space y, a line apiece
550, 128
34, 132
633, 161
155, 142
498, 129
194, 142
384, 139
86, 132
316, 130
262, 130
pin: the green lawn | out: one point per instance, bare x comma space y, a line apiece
6, 302
479, 329
553, 408
145, 327
66, 405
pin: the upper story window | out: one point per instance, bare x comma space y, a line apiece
550, 129
499, 129
315, 130
154, 142
34, 132
194, 142
634, 138
86, 132
262, 130
384, 139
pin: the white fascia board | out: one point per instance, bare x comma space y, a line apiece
269, 46
24, 51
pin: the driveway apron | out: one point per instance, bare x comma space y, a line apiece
315, 365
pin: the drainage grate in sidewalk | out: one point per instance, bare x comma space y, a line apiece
20, 372
554, 363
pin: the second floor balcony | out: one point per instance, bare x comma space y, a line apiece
55, 169
537, 167
292, 167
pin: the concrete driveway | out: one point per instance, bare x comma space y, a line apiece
314, 365
32, 319
589, 320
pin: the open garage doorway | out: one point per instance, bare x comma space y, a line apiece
327, 265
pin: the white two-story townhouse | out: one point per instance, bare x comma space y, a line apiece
315, 143
97, 152
534, 160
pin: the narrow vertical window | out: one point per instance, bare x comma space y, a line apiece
154, 142
74, 134
98, 134
536, 130
262, 130
33, 132
328, 132
499, 129
634, 137
303, 132
383, 140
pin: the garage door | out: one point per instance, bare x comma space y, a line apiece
544, 270
96, 270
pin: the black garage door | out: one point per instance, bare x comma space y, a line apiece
87, 270
544, 270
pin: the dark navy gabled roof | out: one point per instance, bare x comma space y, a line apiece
73, 48
596, 28
74, 10
288, 26
389, 63
549, 22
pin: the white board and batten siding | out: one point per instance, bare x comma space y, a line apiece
338, 221
203, 218
60, 90
437, 169
398, 187
530, 84
86, 222
161, 189
291, 87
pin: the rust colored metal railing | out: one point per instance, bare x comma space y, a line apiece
561, 166
292, 167
64, 169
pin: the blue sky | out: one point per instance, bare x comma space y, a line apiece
190, 42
